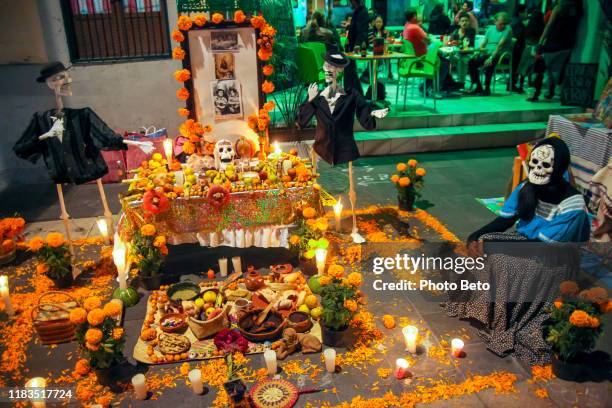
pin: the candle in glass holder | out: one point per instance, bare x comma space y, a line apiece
103, 227
140, 387
411, 334
168, 150
195, 378
223, 267
320, 255
401, 368
330, 359
270, 359
457, 347
237, 264
6, 296
338, 214
37, 384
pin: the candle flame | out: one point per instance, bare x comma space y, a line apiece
338, 206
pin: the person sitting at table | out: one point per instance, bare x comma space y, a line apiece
316, 31
378, 30
497, 39
464, 34
414, 33
468, 7
439, 23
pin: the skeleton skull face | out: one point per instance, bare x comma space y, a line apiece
541, 165
60, 83
224, 154
331, 72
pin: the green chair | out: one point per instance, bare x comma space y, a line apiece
319, 50
504, 66
426, 67
307, 68
343, 41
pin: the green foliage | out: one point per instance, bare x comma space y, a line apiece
335, 316
149, 258
57, 259
110, 352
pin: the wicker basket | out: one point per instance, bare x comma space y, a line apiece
51, 320
207, 328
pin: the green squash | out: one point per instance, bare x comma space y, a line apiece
128, 296
314, 285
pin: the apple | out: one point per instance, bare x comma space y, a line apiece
263, 175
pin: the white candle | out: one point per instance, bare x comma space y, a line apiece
195, 378
168, 150
411, 334
276, 153
457, 347
119, 258
320, 255
6, 296
237, 264
103, 227
38, 385
223, 267
270, 359
330, 359
338, 213
401, 368
140, 387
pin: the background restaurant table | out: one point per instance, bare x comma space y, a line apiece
373, 61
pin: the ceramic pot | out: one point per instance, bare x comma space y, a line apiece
253, 281
333, 338
572, 370
235, 389
64, 282
406, 203
111, 377
151, 282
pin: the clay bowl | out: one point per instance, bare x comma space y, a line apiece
183, 291
299, 321
180, 328
274, 319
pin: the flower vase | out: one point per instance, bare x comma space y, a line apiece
235, 389
572, 370
111, 377
64, 281
406, 201
332, 337
308, 266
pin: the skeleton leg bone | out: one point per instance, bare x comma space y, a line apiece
357, 238
107, 212
65, 217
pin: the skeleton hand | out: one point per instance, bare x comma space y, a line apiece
380, 113
56, 130
313, 91
146, 147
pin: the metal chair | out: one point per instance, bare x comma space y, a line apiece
504, 66
426, 67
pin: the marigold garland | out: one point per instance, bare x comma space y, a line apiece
268, 69
182, 94
200, 20
178, 53
184, 112
239, 17
182, 75
217, 18
178, 36
184, 23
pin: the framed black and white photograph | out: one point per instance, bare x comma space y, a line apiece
227, 99
224, 41
224, 66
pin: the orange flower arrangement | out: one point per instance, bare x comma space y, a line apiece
412, 163
55, 239
264, 54
188, 147
606, 307
336, 271
36, 244
309, 212
355, 279
200, 20
267, 87
401, 167
404, 182
324, 280
184, 23
350, 305
420, 172
269, 106
395, 178
597, 295
183, 112
42, 267
78, 315
569, 288
182, 94
148, 230
93, 336
117, 333
268, 69
258, 22
178, 53
95, 317
580, 318
217, 18
112, 309
558, 303
91, 303
178, 36
82, 367
159, 241
294, 240
239, 17
182, 75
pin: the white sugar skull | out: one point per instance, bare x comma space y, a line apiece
224, 154
331, 72
541, 165
60, 83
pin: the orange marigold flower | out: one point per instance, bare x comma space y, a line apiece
267, 87
217, 18
207, 129
200, 20
395, 178
82, 367
188, 147
117, 333
159, 241
55, 239
404, 182
182, 94
258, 22
239, 17
354, 279
336, 271
182, 75
420, 172
412, 163
401, 167
178, 36
294, 240
597, 295
178, 53
268, 31
112, 309
309, 212
580, 318
42, 268
264, 54
350, 305
268, 70
268, 106
388, 321
569, 288
606, 307
92, 347
541, 393
148, 230
324, 280
78, 315
94, 336
96, 317
164, 250
91, 303
8, 245
36, 244
558, 303
321, 224
184, 23
594, 322
184, 112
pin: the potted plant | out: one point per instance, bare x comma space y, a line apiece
234, 386
100, 339
54, 258
11, 230
148, 251
308, 237
574, 327
340, 300
408, 180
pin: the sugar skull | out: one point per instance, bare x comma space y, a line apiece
541, 165
224, 154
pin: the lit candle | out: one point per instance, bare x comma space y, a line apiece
320, 255
119, 258
140, 387
330, 359
6, 296
237, 264
103, 227
223, 267
270, 359
38, 385
195, 378
401, 368
338, 213
457, 347
276, 154
410, 337
168, 150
